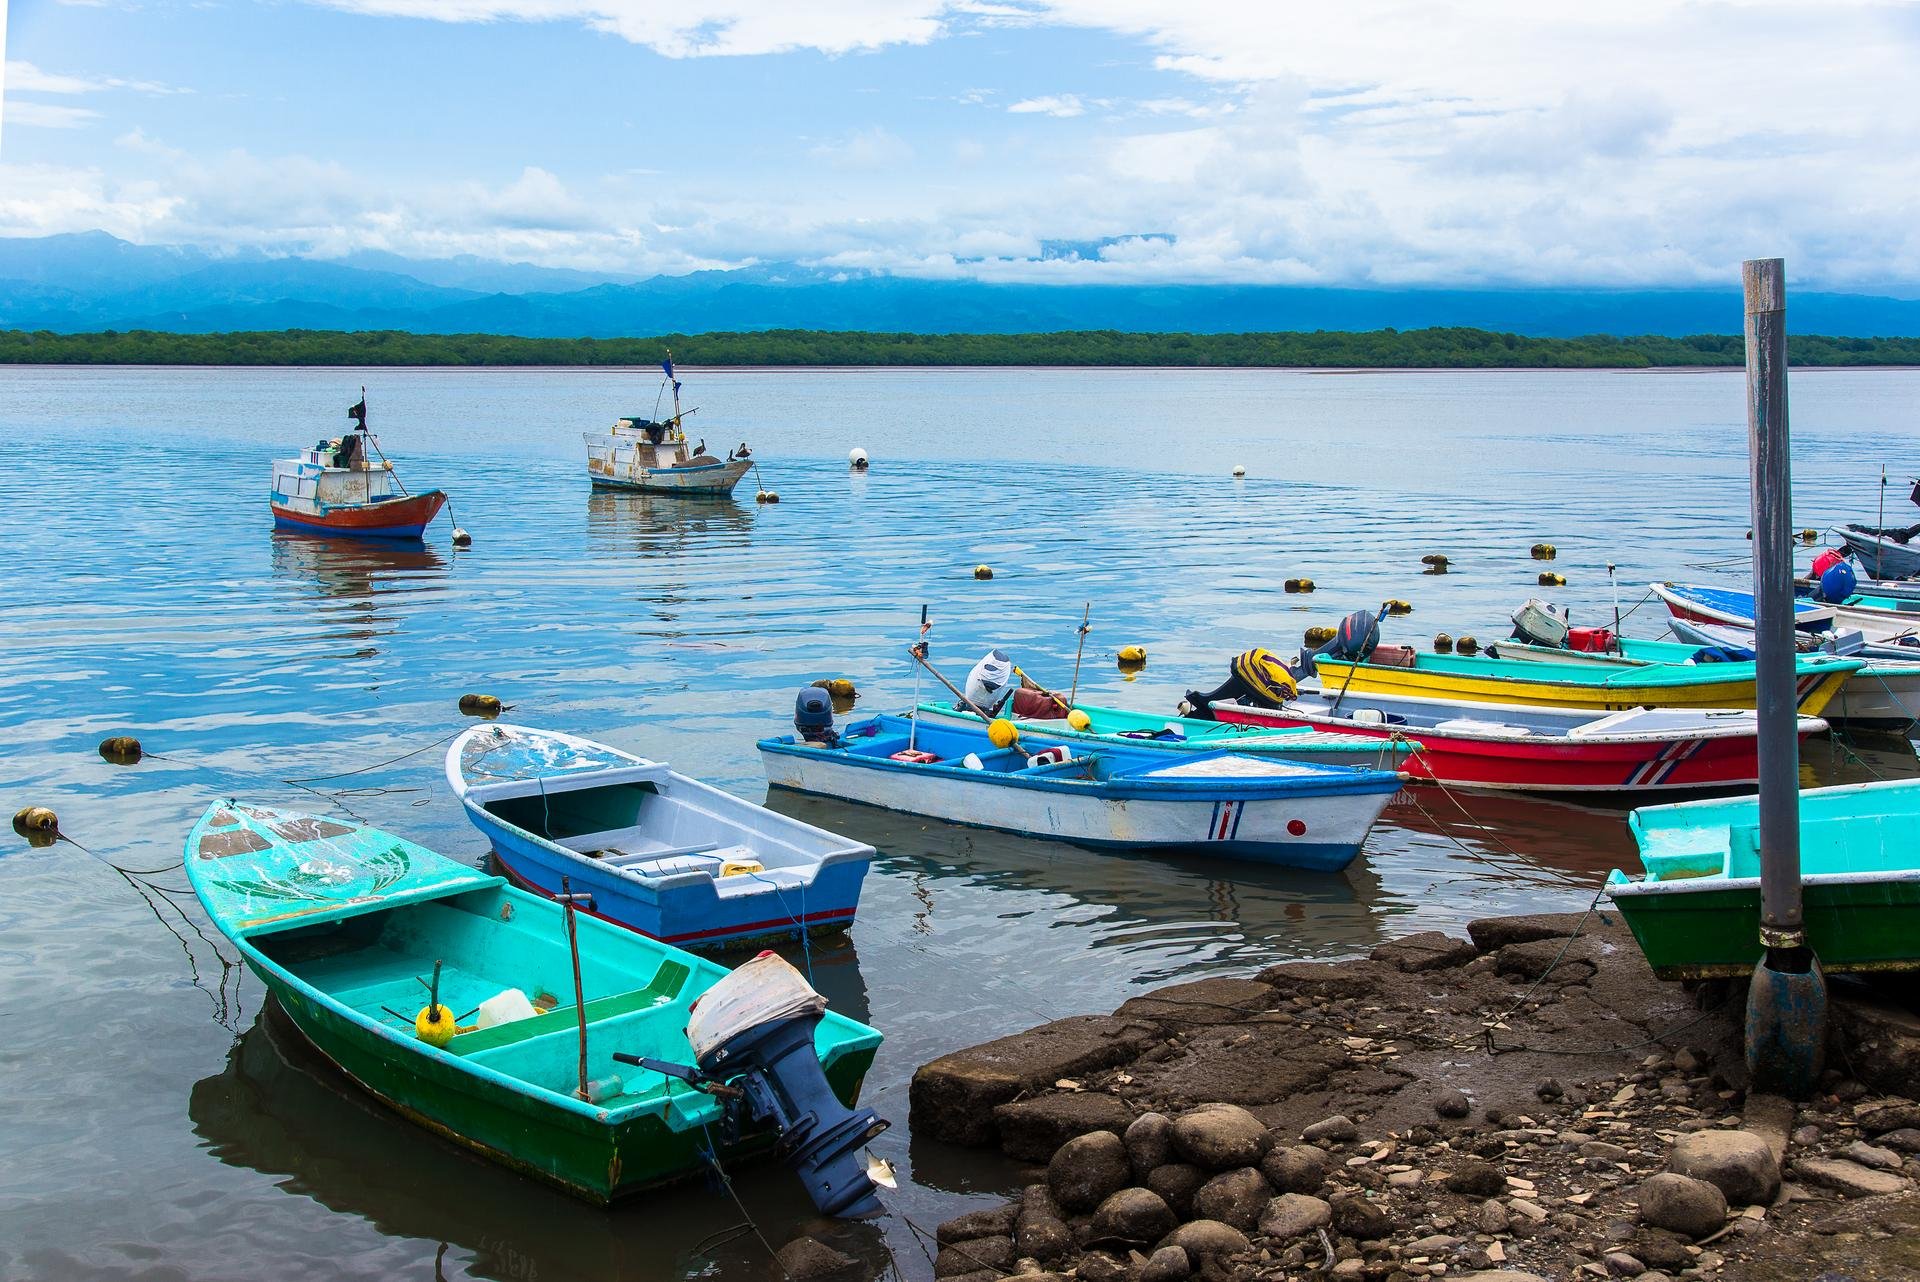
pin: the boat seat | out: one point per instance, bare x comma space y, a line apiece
666, 985
1069, 766
615, 857
1468, 725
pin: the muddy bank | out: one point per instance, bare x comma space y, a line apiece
1529, 1101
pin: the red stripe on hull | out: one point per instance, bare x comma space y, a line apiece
1551, 765
398, 514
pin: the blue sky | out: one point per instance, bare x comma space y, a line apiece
1366, 142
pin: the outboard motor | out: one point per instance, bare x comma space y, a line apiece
813, 717
988, 683
1837, 582
1541, 623
752, 1037
1258, 678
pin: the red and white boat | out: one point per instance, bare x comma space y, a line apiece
1539, 749
338, 487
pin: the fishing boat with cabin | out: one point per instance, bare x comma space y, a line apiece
646, 847
346, 486
1108, 797
1695, 910
587, 1064
640, 453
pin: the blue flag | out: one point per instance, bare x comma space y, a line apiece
667, 365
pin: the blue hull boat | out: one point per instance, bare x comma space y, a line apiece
650, 849
1217, 803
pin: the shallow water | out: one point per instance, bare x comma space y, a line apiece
159, 1128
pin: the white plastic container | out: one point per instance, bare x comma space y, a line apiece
505, 1008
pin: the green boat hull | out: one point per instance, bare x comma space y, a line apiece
592, 1160
1715, 933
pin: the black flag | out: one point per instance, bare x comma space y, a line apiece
358, 413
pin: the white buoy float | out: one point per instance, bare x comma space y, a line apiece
1239, 469
857, 459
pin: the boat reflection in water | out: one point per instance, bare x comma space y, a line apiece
629, 521
279, 1109
360, 584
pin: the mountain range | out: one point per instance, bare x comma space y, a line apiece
90, 281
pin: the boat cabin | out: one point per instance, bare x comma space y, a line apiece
336, 473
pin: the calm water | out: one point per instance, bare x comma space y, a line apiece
157, 1127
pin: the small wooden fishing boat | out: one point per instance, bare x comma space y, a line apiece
1599, 686
638, 453
1520, 748
337, 487
1882, 555
351, 929
1696, 909
1700, 603
650, 849
1120, 728
1884, 696
1223, 804
1880, 620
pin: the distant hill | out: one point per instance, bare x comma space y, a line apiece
91, 281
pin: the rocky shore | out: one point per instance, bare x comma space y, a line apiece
1529, 1102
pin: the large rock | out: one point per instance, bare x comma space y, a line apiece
1882, 1118
1882, 1044
1293, 1215
989, 1222
1429, 950
1088, 1170
1490, 934
1137, 1216
1475, 1178
1203, 1001
1168, 1264
1177, 1182
1332, 980
1296, 1168
1236, 1198
1202, 1238
1849, 1179
1043, 1237
1260, 1061
1738, 1163
953, 1097
1338, 1129
805, 1260
970, 1257
1220, 1137
1554, 960
1034, 1129
1360, 1218
1682, 1204
1149, 1140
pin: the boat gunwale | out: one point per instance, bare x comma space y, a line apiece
1807, 726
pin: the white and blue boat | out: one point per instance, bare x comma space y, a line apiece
648, 848
1112, 797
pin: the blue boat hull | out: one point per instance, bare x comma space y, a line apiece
691, 916
416, 532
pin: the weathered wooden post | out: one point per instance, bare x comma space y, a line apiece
1787, 1000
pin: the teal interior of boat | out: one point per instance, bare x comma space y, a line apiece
1853, 829
637, 996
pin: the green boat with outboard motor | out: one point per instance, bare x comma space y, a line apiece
600, 1060
1696, 910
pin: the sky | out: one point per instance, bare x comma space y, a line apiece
1352, 142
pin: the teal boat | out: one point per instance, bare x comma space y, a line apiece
350, 928
1121, 728
1696, 911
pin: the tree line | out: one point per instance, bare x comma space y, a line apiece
1439, 348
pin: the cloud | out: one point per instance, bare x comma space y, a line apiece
872, 149
702, 28
1062, 105
44, 115
25, 77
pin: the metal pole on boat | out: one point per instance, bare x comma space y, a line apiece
1086, 626
579, 994
1880, 530
1787, 999
913, 723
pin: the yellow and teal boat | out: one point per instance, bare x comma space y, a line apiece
380, 952
1602, 686
1696, 910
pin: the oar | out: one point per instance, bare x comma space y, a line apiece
919, 652
1086, 618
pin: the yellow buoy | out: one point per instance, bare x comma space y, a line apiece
1298, 585
1397, 606
1442, 643
773, 496
1548, 579
121, 749
838, 687
1435, 562
1466, 645
1002, 733
760, 496
1132, 654
1545, 551
983, 572
1078, 719
480, 705
35, 819
1809, 536
434, 1025
1319, 634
